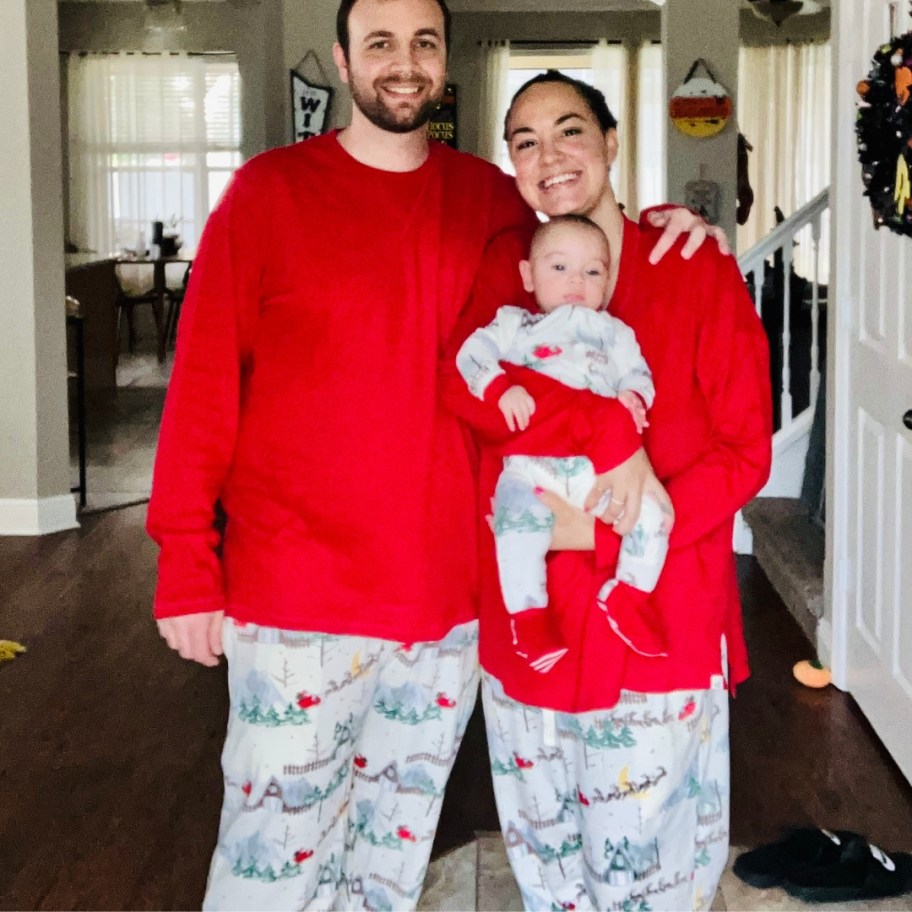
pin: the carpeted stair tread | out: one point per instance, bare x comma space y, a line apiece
790, 549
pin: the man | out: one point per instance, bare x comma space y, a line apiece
304, 400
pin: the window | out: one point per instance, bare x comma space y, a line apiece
785, 111
652, 117
151, 138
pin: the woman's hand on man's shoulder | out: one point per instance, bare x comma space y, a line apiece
676, 221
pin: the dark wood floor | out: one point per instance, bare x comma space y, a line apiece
109, 744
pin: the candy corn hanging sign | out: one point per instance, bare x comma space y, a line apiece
701, 106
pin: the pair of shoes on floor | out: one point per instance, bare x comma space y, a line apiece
817, 865
537, 638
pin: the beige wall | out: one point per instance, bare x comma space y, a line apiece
687, 37
34, 448
310, 25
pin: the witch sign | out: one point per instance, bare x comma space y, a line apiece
310, 107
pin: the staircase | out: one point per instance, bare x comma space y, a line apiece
789, 548
784, 276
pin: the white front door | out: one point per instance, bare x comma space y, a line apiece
870, 500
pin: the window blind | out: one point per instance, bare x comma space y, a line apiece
152, 138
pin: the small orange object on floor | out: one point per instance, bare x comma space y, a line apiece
812, 674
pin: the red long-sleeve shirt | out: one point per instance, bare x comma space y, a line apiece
709, 441
305, 397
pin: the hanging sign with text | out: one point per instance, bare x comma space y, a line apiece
310, 107
442, 125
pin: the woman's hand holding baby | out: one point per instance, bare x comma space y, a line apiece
517, 407
624, 486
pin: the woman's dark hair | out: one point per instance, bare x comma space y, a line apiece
345, 8
590, 95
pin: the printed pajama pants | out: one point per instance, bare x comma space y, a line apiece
337, 753
622, 809
522, 529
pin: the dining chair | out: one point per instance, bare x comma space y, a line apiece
128, 300
176, 298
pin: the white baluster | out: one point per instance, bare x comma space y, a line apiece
786, 331
815, 310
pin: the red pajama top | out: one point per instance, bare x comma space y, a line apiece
709, 441
305, 397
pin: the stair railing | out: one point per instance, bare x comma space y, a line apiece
770, 263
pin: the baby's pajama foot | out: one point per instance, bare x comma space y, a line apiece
628, 611
537, 638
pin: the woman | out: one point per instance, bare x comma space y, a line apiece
611, 772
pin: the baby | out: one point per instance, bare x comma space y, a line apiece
574, 340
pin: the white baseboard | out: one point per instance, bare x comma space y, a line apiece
37, 516
789, 453
743, 539
825, 642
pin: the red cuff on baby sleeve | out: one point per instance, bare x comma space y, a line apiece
569, 422
604, 430
496, 388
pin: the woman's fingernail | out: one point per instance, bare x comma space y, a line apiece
539, 491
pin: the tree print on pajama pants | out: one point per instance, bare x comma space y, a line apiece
523, 523
335, 761
620, 809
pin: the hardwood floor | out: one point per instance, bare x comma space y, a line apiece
109, 744
803, 756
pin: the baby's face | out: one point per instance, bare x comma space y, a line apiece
568, 265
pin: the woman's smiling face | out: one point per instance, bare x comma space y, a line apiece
559, 150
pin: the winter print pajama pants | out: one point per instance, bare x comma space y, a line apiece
623, 809
522, 529
335, 761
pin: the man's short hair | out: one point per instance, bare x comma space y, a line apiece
590, 95
571, 218
345, 8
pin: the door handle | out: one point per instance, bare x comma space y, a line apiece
907, 419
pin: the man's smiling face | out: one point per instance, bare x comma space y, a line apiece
396, 64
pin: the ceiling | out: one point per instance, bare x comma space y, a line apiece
497, 6
582, 6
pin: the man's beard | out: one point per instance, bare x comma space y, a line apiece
380, 114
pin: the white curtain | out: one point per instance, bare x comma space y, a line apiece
495, 98
652, 117
89, 124
784, 111
609, 75
151, 138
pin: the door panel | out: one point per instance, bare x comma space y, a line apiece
872, 381
902, 656
869, 540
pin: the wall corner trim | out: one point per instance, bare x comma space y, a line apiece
824, 643
37, 516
